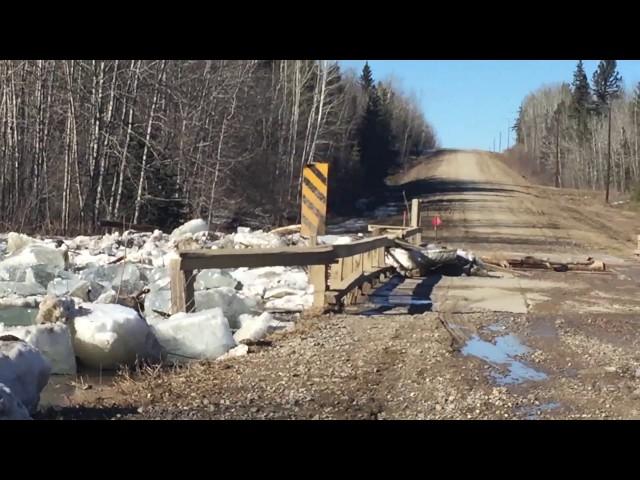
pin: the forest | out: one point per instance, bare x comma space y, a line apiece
157, 142
582, 134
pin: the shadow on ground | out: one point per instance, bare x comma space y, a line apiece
83, 413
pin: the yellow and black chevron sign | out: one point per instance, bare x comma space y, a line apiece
314, 199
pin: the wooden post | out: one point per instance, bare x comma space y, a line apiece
178, 303
415, 220
182, 291
415, 213
381, 260
318, 278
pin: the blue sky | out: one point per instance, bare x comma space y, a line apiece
469, 102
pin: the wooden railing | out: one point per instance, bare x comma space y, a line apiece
334, 270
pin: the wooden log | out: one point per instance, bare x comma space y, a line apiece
534, 263
287, 230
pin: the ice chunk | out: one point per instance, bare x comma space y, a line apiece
79, 242
257, 239
157, 235
40, 274
44, 274
192, 226
34, 254
16, 241
195, 336
13, 300
109, 335
290, 303
22, 289
280, 292
253, 328
124, 277
23, 370
159, 300
53, 340
157, 273
108, 296
75, 287
400, 258
334, 240
10, 407
213, 278
238, 351
257, 281
469, 256
232, 303
87, 259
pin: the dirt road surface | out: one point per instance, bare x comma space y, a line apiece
517, 346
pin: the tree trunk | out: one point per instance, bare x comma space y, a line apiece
608, 180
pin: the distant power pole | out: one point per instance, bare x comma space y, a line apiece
606, 198
500, 141
494, 144
508, 137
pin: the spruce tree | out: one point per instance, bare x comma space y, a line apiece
375, 136
517, 126
580, 90
581, 105
607, 84
366, 78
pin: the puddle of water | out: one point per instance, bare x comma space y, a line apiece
17, 316
501, 354
399, 300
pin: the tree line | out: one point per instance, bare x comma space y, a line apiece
582, 134
160, 141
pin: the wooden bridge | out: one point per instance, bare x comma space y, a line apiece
338, 273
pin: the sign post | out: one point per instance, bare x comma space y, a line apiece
313, 210
436, 222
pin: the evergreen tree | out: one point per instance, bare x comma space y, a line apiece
581, 105
375, 143
580, 90
517, 127
366, 78
607, 84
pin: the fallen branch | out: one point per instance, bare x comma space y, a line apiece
117, 260
534, 263
289, 229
